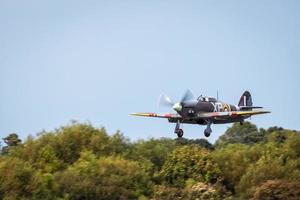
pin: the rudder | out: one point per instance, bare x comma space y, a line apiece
246, 99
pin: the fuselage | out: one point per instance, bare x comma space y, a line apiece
190, 110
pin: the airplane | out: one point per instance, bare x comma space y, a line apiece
205, 111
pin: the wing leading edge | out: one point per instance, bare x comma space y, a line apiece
205, 115
168, 115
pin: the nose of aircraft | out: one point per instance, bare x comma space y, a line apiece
177, 107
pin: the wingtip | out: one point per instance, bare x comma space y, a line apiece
140, 114
266, 111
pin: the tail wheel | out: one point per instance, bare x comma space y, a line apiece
180, 133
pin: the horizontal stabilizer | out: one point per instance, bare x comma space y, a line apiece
249, 107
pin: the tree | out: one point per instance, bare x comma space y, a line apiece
72, 139
244, 134
46, 160
47, 188
12, 140
119, 144
273, 164
66, 143
17, 179
167, 193
154, 150
103, 178
201, 142
79, 161
202, 191
190, 162
292, 145
233, 160
198, 190
277, 189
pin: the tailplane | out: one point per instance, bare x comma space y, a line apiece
245, 102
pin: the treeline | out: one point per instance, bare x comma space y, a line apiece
79, 161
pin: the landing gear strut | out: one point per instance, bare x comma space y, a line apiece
178, 130
208, 130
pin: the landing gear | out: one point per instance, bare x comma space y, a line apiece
208, 130
178, 130
180, 133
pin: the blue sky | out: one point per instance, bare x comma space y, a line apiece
98, 61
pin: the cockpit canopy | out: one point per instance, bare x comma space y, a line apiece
206, 99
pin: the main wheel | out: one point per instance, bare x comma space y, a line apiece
207, 133
180, 133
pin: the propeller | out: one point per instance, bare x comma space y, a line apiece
164, 100
188, 95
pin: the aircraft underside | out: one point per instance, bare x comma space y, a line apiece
206, 122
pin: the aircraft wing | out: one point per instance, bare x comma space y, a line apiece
168, 115
172, 117
231, 114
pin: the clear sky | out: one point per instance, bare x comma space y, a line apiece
98, 61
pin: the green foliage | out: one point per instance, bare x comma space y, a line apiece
17, 179
203, 191
198, 190
201, 142
278, 189
155, 151
244, 134
47, 160
118, 144
233, 161
190, 162
12, 140
103, 178
79, 161
63, 146
274, 163
71, 140
168, 193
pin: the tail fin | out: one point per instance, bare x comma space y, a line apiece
245, 100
